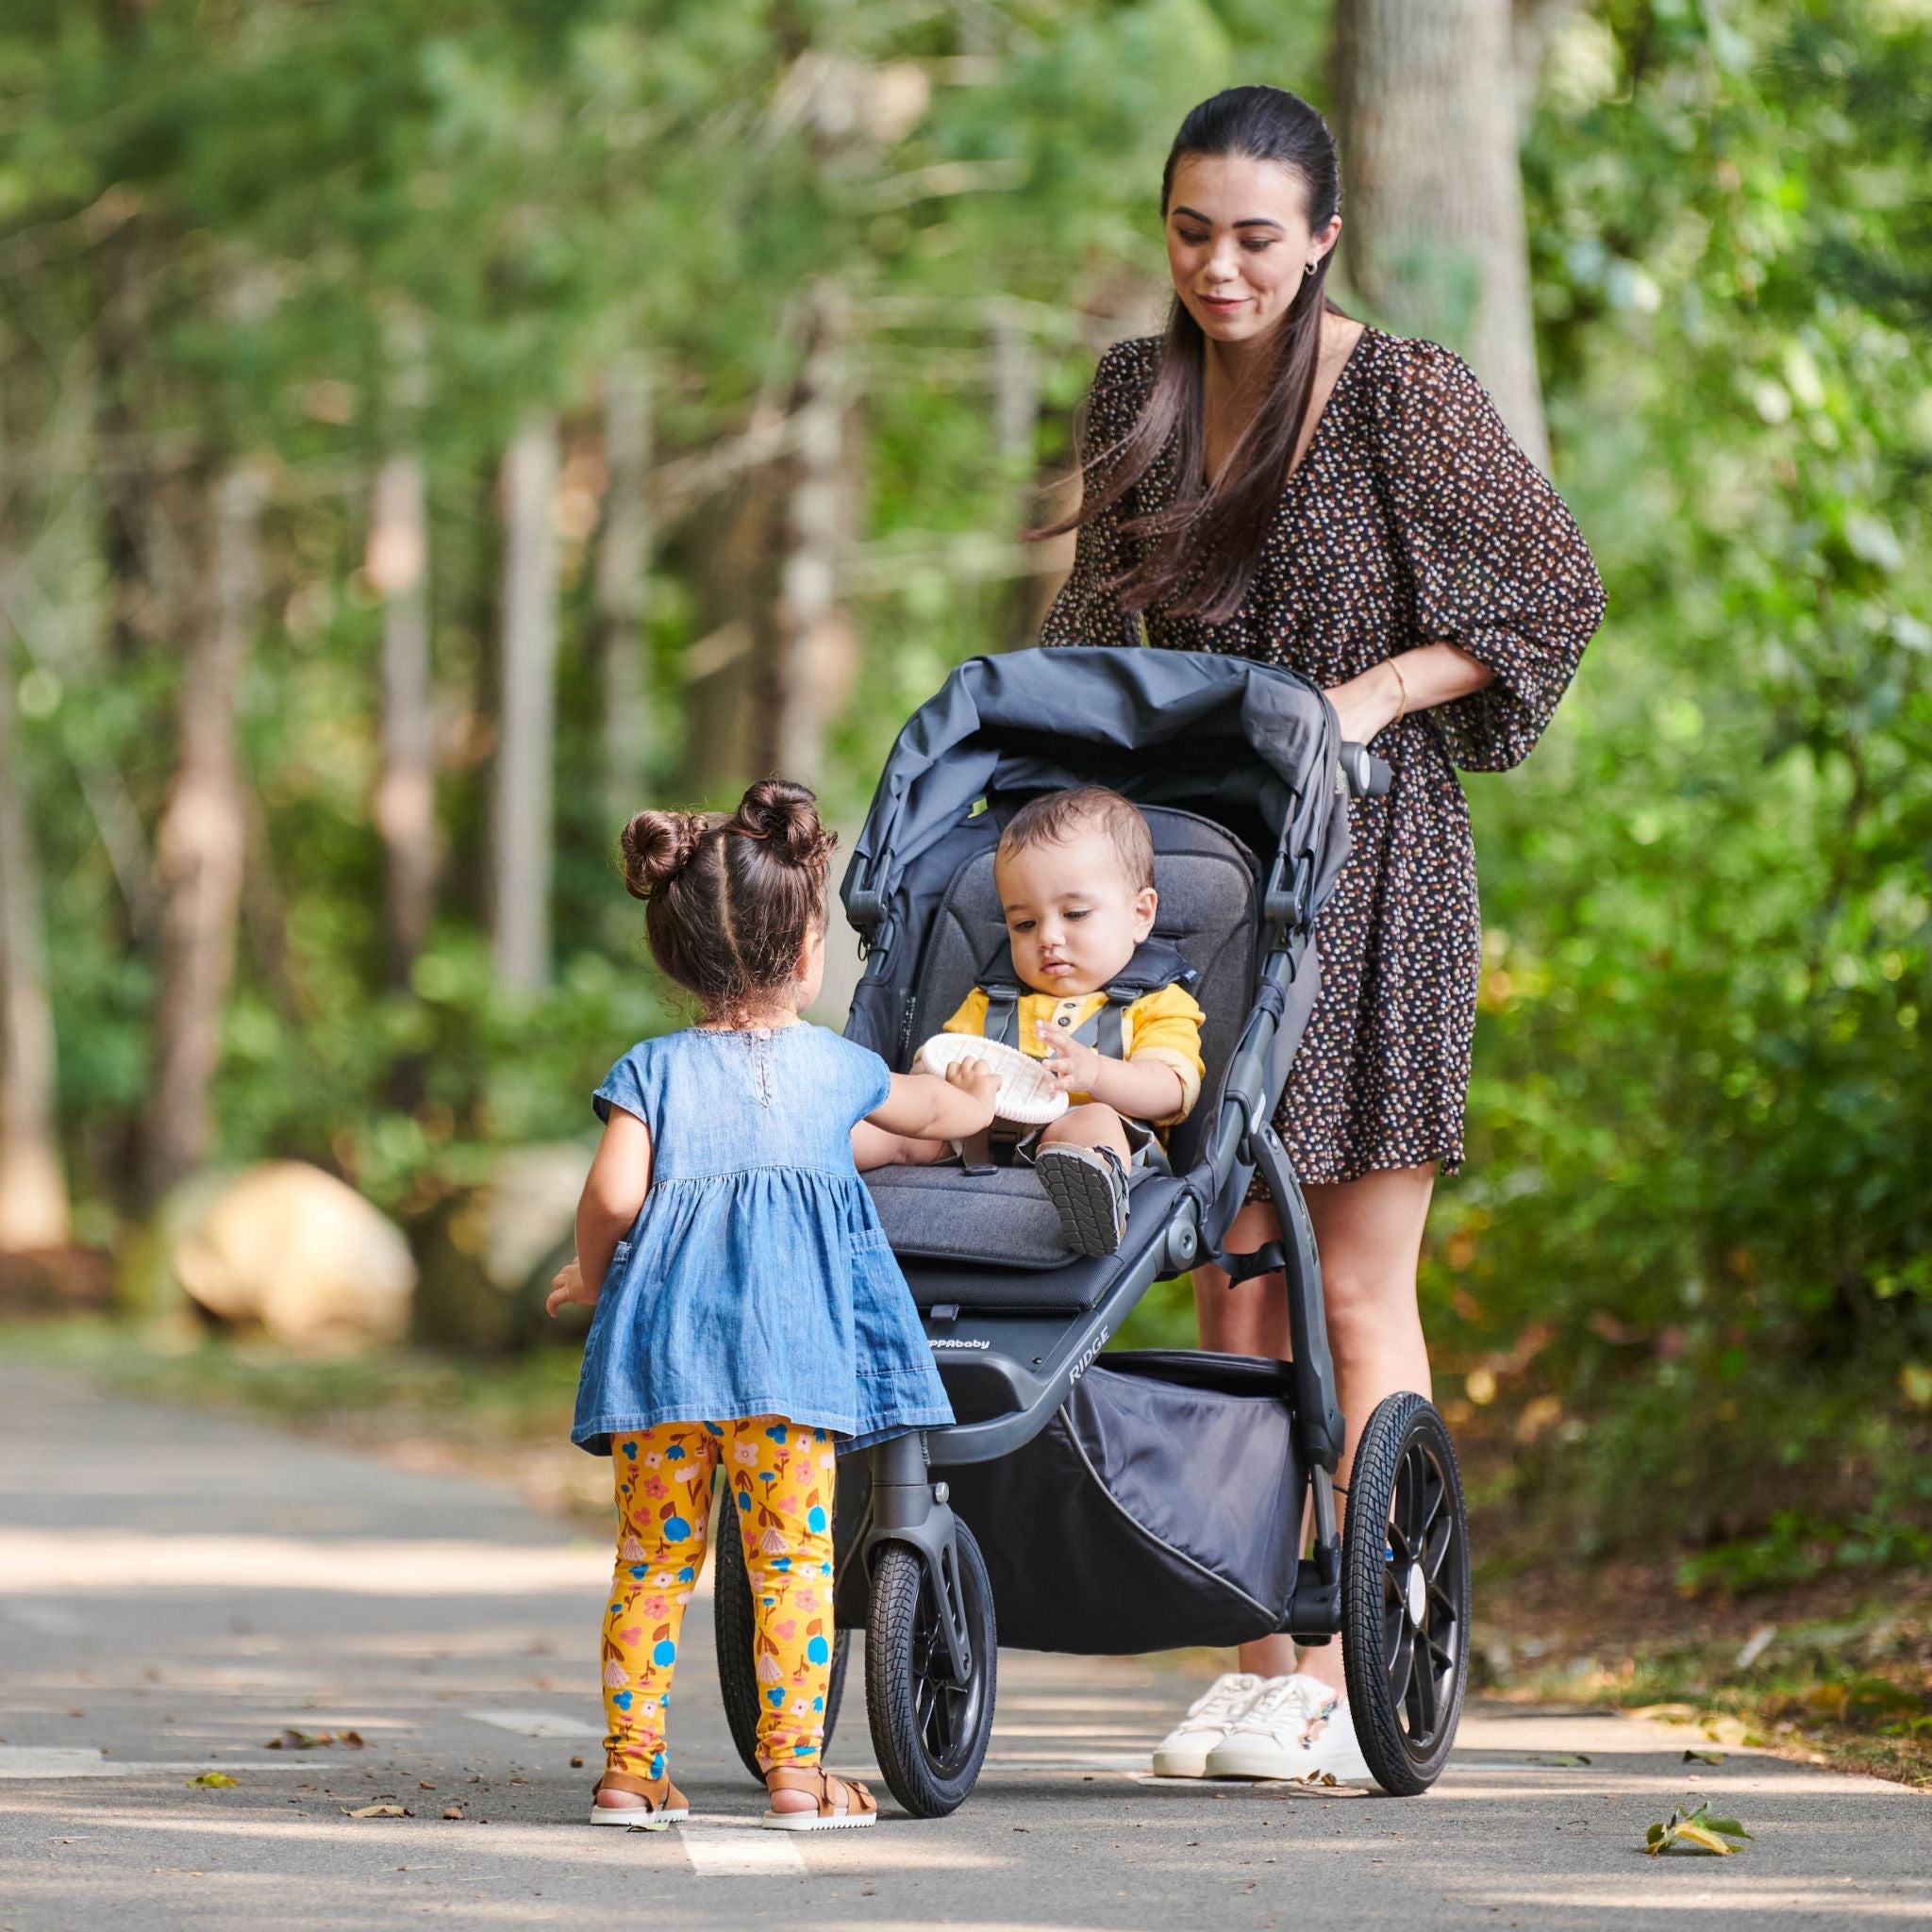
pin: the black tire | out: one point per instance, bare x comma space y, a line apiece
1405, 1594
930, 1740
731, 1620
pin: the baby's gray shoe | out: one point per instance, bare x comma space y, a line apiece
1088, 1187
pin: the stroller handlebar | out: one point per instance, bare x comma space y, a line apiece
1363, 772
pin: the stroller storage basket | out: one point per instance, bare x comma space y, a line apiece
1161, 1507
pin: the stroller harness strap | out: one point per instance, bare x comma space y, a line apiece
1156, 963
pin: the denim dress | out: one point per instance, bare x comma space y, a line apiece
757, 1279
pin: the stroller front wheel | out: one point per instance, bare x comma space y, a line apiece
1405, 1594
931, 1735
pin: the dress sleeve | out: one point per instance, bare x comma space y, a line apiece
872, 1082
1086, 610
1495, 561
624, 1086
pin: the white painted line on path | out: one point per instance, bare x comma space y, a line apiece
537, 1723
722, 1848
53, 1760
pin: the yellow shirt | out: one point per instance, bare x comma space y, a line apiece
1162, 1026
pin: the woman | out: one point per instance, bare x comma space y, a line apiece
1274, 479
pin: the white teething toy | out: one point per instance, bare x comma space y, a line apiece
1026, 1095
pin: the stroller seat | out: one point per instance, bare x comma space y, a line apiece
994, 1239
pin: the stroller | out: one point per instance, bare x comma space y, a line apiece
1093, 1496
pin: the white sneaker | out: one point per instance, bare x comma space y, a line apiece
1298, 1727
1183, 1752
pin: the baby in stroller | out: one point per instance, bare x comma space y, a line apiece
1083, 989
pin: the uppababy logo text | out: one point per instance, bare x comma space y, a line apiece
958, 1345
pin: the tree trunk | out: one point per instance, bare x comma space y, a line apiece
201, 844
33, 1194
405, 811
1015, 392
817, 650
623, 557
527, 708
1435, 239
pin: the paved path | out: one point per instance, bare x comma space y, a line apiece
174, 1590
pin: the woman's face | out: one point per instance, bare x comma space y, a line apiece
1239, 242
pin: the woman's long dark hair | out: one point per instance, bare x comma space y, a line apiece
1197, 557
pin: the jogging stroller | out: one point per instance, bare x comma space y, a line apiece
1124, 1501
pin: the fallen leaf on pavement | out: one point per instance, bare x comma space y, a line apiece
452, 1811
299, 1741
379, 1811
352, 1738
1704, 1758
1563, 1758
1695, 1831
214, 1780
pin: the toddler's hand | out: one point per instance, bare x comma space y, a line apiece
978, 1079
1071, 1066
566, 1287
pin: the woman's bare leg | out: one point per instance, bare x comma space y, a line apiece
1369, 1233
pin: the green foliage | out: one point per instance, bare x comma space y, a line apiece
1702, 1116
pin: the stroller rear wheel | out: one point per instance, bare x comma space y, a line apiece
1405, 1594
731, 1618
930, 1734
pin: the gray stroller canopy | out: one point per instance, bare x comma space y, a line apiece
1251, 746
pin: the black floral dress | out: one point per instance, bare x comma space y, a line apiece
1413, 518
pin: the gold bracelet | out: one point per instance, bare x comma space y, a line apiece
1402, 689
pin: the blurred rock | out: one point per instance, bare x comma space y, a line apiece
531, 1207
301, 1254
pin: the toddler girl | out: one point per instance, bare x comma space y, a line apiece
751, 1316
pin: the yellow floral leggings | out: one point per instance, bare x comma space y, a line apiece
778, 1485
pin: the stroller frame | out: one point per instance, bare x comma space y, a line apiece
918, 1572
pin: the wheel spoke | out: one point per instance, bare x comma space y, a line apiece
1422, 1704
1437, 1491
1394, 1622
1398, 1546
1401, 1666
1436, 1551
1407, 1499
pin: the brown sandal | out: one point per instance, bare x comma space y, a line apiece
843, 1802
664, 1804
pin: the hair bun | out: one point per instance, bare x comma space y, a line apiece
657, 846
786, 816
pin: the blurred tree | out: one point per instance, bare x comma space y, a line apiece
33, 1189
200, 843
1434, 233
520, 898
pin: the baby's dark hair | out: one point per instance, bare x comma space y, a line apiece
1056, 817
731, 898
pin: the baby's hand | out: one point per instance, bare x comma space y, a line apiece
566, 1287
1072, 1067
976, 1078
